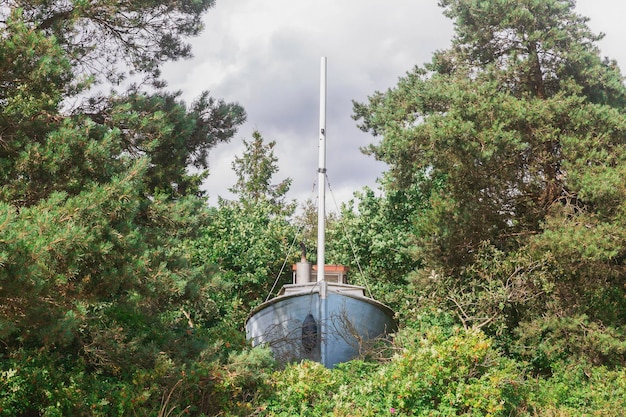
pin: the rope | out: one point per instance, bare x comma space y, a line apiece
293, 243
352, 247
282, 268
345, 232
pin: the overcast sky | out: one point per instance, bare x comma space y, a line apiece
265, 55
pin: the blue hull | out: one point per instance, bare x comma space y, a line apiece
330, 330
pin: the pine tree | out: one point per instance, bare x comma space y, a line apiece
254, 170
104, 38
102, 305
518, 130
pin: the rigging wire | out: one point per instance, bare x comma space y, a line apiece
298, 233
293, 243
282, 268
345, 232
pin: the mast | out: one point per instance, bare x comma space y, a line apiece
321, 214
321, 177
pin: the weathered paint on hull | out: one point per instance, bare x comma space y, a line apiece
352, 322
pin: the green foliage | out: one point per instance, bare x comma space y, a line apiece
249, 239
254, 170
580, 390
249, 245
106, 38
494, 116
207, 387
436, 372
33, 382
50, 385
375, 236
174, 136
549, 342
304, 389
439, 369
498, 290
102, 306
515, 137
33, 73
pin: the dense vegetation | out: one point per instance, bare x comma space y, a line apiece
499, 236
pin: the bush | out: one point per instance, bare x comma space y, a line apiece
579, 390
550, 341
432, 373
46, 384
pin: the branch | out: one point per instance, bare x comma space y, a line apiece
465, 316
49, 22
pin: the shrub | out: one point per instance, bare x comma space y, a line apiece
432, 373
579, 390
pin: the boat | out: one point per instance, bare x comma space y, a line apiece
320, 317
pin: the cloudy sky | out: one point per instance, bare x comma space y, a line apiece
265, 55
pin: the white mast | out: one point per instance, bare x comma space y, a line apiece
321, 216
321, 180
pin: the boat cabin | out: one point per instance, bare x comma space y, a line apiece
305, 280
304, 272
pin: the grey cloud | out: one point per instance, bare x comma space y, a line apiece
265, 55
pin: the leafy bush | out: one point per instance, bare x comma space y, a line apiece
432, 373
46, 384
548, 342
579, 390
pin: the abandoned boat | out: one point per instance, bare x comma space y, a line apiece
320, 316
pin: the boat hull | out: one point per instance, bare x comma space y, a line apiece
330, 330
